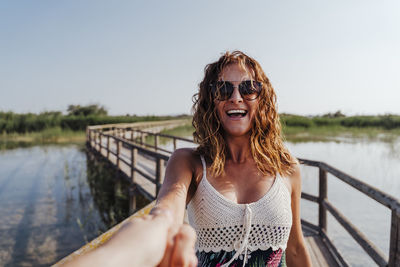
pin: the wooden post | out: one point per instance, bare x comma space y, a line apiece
394, 251
323, 193
132, 201
100, 133
117, 187
117, 153
156, 141
132, 135
108, 146
96, 138
90, 137
141, 139
159, 174
100, 137
133, 164
174, 143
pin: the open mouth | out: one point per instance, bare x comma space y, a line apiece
236, 113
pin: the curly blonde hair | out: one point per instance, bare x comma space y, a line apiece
267, 148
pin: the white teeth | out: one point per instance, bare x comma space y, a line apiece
236, 111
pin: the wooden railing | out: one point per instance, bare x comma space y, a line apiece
136, 143
325, 206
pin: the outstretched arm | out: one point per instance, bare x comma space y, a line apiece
144, 242
296, 252
178, 176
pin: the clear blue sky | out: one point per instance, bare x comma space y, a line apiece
147, 57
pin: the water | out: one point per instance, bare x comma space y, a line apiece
56, 198
53, 201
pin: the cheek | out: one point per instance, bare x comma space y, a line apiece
220, 109
253, 109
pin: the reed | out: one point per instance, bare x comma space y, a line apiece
27, 123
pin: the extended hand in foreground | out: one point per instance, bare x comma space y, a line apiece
152, 240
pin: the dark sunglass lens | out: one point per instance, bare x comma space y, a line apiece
223, 90
250, 89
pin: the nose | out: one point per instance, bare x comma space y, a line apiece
236, 97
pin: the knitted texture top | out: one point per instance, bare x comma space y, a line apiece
221, 224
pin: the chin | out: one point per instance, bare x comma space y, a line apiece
237, 132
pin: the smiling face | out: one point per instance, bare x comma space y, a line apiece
236, 114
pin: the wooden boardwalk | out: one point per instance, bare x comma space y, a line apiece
143, 165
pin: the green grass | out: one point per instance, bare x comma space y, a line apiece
27, 123
338, 133
54, 135
182, 131
316, 133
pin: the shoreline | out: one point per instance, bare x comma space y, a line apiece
57, 136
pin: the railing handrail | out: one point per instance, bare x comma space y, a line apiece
369, 190
138, 147
165, 135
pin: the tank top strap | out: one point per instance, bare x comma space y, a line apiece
203, 162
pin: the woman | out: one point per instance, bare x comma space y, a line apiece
241, 184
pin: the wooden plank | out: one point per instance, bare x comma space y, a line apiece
143, 181
309, 228
320, 255
333, 250
154, 147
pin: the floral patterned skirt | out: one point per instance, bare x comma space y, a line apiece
268, 258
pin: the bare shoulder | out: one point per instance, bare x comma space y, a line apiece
183, 156
186, 151
295, 178
183, 163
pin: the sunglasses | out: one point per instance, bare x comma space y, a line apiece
223, 90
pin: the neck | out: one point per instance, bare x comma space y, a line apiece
238, 148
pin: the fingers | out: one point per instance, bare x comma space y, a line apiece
165, 262
183, 253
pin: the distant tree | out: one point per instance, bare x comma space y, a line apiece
337, 114
78, 110
50, 113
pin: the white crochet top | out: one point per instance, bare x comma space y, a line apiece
221, 224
